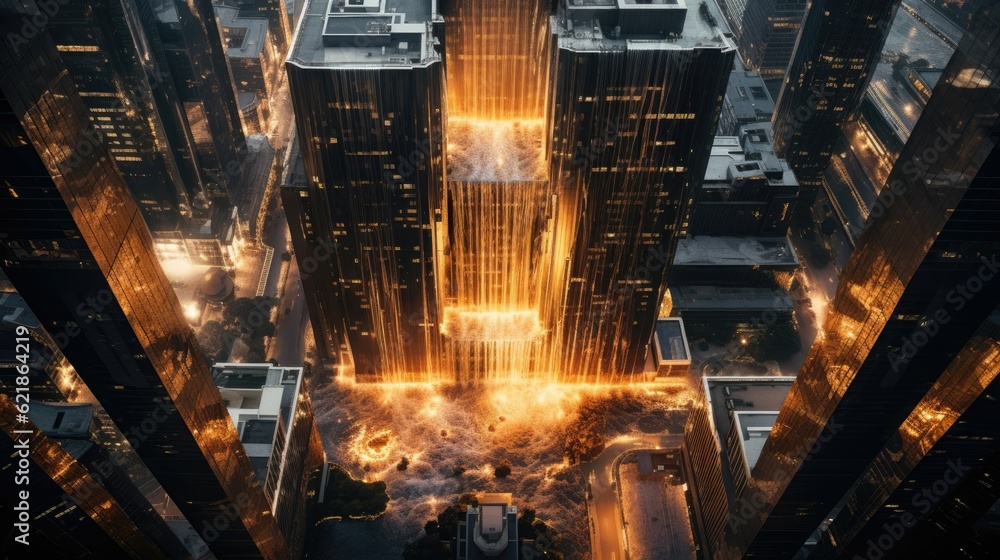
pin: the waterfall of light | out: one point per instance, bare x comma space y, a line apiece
498, 59
498, 212
498, 208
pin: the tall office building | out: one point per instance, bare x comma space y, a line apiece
87, 473
368, 91
951, 432
194, 91
908, 335
77, 250
838, 46
273, 414
638, 93
518, 224
102, 50
71, 512
146, 105
767, 34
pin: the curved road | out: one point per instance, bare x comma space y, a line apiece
607, 532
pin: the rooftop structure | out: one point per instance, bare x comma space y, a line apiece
489, 529
705, 250
365, 33
722, 441
747, 190
747, 101
671, 351
14, 310
63, 420
585, 25
721, 303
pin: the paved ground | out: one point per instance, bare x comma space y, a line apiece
657, 523
603, 507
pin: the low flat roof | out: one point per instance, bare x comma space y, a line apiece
690, 298
398, 34
252, 43
670, 339
14, 310
62, 420
755, 427
709, 250
748, 95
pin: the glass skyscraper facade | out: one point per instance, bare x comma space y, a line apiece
908, 335
838, 46
518, 222
76, 248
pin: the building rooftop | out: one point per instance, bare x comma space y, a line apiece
706, 250
63, 420
753, 402
748, 96
15, 311
754, 427
671, 342
750, 154
260, 398
244, 36
489, 530
723, 298
602, 25
365, 34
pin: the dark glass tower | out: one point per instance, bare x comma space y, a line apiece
937, 468
101, 49
767, 34
87, 474
72, 512
537, 249
369, 110
75, 246
169, 128
638, 93
838, 46
914, 301
195, 93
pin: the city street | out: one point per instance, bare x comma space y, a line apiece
289, 345
604, 508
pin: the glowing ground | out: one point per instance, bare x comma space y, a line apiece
369, 428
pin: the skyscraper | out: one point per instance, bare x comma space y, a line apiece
638, 93
516, 225
177, 149
71, 512
104, 57
75, 247
367, 88
908, 333
195, 94
87, 474
767, 34
936, 467
838, 46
